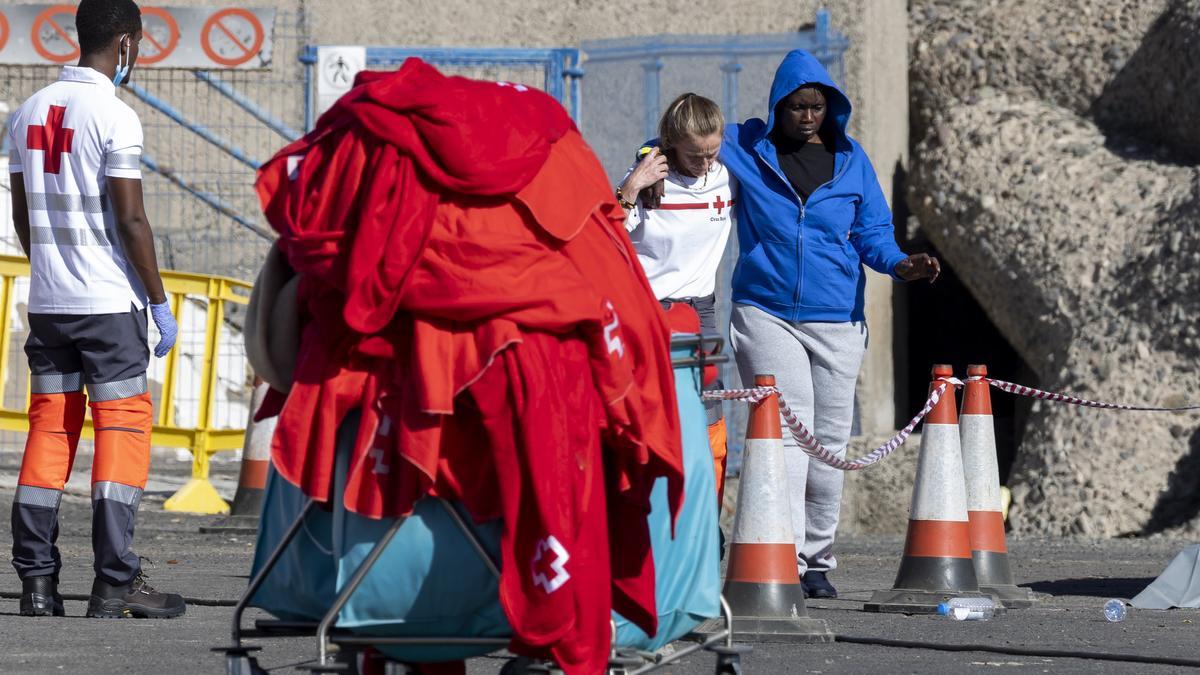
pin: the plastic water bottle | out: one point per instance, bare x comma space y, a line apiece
968, 609
1114, 610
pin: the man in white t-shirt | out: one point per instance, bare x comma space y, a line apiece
679, 201
78, 212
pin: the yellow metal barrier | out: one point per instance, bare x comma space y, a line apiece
198, 495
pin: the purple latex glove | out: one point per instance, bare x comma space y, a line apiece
167, 328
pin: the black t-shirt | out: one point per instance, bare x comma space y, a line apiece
807, 166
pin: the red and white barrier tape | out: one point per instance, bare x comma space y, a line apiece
811, 446
1022, 390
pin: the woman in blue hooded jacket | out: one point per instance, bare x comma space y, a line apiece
810, 214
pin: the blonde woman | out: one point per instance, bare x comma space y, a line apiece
678, 198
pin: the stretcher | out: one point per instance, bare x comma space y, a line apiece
424, 588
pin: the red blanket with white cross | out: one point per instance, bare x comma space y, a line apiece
468, 284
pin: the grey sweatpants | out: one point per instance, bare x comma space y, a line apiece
816, 367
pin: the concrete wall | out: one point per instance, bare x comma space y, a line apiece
876, 73
877, 68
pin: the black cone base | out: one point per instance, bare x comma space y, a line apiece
995, 577
769, 600
1015, 597
991, 568
801, 629
769, 612
936, 574
915, 601
924, 583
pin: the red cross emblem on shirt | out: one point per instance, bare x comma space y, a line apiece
51, 138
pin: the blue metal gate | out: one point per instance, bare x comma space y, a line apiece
615, 90
628, 80
555, 71
621, 109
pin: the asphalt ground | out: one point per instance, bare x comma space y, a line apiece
211, 570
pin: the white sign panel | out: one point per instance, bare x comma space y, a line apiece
172, 37
336, 68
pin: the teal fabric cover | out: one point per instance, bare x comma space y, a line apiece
429, 582
687, 568
419, 589
302, 586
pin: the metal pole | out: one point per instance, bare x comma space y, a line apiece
198, 129
575, 72
727, 612
227, 90
209, 199
351, 586
261, 577
469, 533
307, 59
650, 95
731, 68
555, 81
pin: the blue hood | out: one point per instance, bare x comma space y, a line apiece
798, 69
803, 261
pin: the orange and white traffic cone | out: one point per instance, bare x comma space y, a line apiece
984, 503
252, 479
937, 553
762, 582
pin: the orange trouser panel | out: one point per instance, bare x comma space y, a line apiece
55, 421
122, 440
717, 440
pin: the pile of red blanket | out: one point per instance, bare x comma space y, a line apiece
467, 283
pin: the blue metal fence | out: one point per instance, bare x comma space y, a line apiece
555, 71
615, 90
726, 68
205, 133
621, 109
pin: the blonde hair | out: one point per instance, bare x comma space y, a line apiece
689, 115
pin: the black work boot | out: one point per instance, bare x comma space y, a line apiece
133, 600
39, 597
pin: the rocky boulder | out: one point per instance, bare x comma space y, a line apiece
1064, 52
1156, 95
1079, 239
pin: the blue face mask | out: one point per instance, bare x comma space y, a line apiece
122, 69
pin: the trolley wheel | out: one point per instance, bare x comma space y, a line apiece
623, 663
729, 665
729, 659
239, 662
523, 665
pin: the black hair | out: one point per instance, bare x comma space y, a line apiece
99, 22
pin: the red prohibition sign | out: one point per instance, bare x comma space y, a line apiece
160, 35
3, 30
241, 49
54, 21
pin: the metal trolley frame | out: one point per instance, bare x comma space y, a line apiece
337, 649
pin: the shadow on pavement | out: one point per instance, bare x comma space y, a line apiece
1117, 587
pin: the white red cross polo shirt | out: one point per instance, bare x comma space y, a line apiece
65, 141
680, 243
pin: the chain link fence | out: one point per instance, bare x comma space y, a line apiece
205, 134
